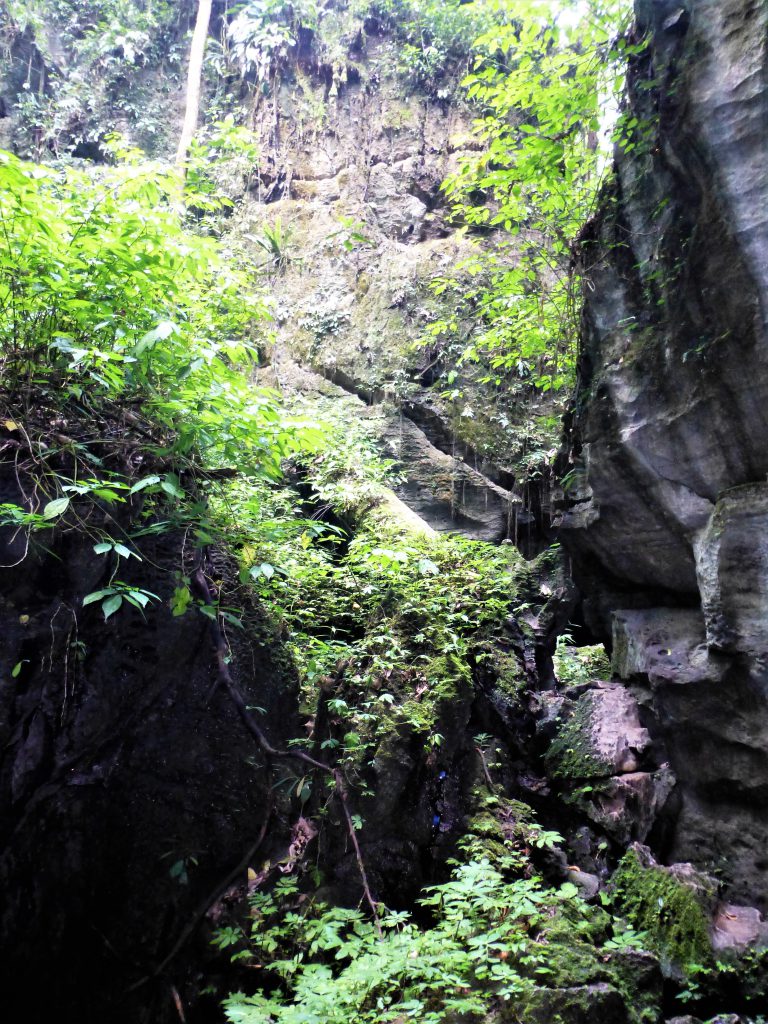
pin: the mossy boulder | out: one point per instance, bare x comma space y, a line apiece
572, 753
670, 905
576, 665
580, 1004
598, 735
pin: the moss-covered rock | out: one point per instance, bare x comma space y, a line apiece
443, 707
598, 735
572, 753
669, 906
502, 830
580, 1004
576, 665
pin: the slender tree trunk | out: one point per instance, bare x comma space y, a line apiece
194, 75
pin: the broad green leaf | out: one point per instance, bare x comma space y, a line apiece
428, 568
111, 605
125, 552
55, 508
171, 486
148, 481
180, 600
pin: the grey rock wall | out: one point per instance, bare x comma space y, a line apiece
667, 513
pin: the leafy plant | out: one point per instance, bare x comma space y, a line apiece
112, 597
542, 87
436, 36
263, 32
109, 304
219, 164
490, 941
274, 241
104, 294
105, 45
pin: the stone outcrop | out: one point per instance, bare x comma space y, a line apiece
130, 791
667, 505
604, 761
367, 230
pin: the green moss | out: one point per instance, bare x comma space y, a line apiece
485, 837
449, 687
571, 961
558, 1006
503, 831
636, 976
448, 676
666, 909
575, 964
512, 679
504, 671
572, 753
576, 665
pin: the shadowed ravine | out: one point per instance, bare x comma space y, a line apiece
414, 616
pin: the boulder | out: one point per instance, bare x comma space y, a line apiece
581, 1004
627, 807
598, 735
735, 927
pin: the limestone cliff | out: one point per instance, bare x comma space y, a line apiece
667, 504
350, 179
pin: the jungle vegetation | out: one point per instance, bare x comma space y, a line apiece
130, 323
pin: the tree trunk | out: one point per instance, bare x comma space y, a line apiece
194, 75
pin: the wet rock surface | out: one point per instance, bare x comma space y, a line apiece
367, 231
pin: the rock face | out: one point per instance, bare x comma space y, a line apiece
367, 232
129, 791
667, 521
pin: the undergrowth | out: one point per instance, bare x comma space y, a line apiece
382, 619
489, 944
126, 342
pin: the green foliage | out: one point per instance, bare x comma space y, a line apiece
112, 597
274, 241
668, 912
219, 164
435, 36
402, 612
490, 941
543, 88
106, 44
106, 298
263, 32
574, 665
109, 304
504, 832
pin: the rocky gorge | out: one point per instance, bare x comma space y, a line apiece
603, 721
